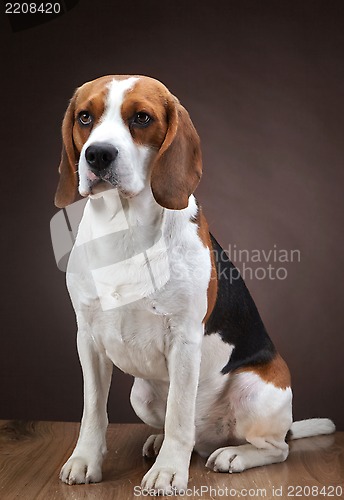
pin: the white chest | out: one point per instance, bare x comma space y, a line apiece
128, 281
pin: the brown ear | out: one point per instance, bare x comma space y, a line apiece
67, 187
178, 167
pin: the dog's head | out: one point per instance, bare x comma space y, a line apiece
127, 132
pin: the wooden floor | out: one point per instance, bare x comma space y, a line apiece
32, 453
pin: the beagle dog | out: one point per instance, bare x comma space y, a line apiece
153, 294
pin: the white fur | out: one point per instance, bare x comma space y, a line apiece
157, 337
140, 304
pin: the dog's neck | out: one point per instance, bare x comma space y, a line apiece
140, 210
108, 212
143, 210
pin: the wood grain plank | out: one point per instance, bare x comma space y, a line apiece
32, 453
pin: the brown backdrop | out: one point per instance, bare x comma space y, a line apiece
263, 82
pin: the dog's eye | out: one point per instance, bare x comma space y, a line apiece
85, 118
143, 119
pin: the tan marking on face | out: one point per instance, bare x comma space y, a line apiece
90, 97
275, 372
147, 96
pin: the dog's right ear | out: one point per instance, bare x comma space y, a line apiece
178, 166
66, 192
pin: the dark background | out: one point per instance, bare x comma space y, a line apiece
263, 82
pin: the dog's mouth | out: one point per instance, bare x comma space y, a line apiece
104, 181
101, 181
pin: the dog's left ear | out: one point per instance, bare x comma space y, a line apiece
66, 192
178, 166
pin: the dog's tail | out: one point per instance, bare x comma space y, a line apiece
310, 427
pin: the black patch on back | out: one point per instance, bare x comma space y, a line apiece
235, 317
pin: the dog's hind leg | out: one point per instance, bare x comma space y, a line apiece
149, 403
263, 414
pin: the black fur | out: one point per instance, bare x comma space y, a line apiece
235, 317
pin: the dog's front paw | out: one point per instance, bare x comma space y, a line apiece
79, 470
152, 446
165, 480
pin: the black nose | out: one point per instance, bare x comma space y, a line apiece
100, 156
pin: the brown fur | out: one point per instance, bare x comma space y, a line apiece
203, 233
68, 183
275, 372
178, 167
148, 98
